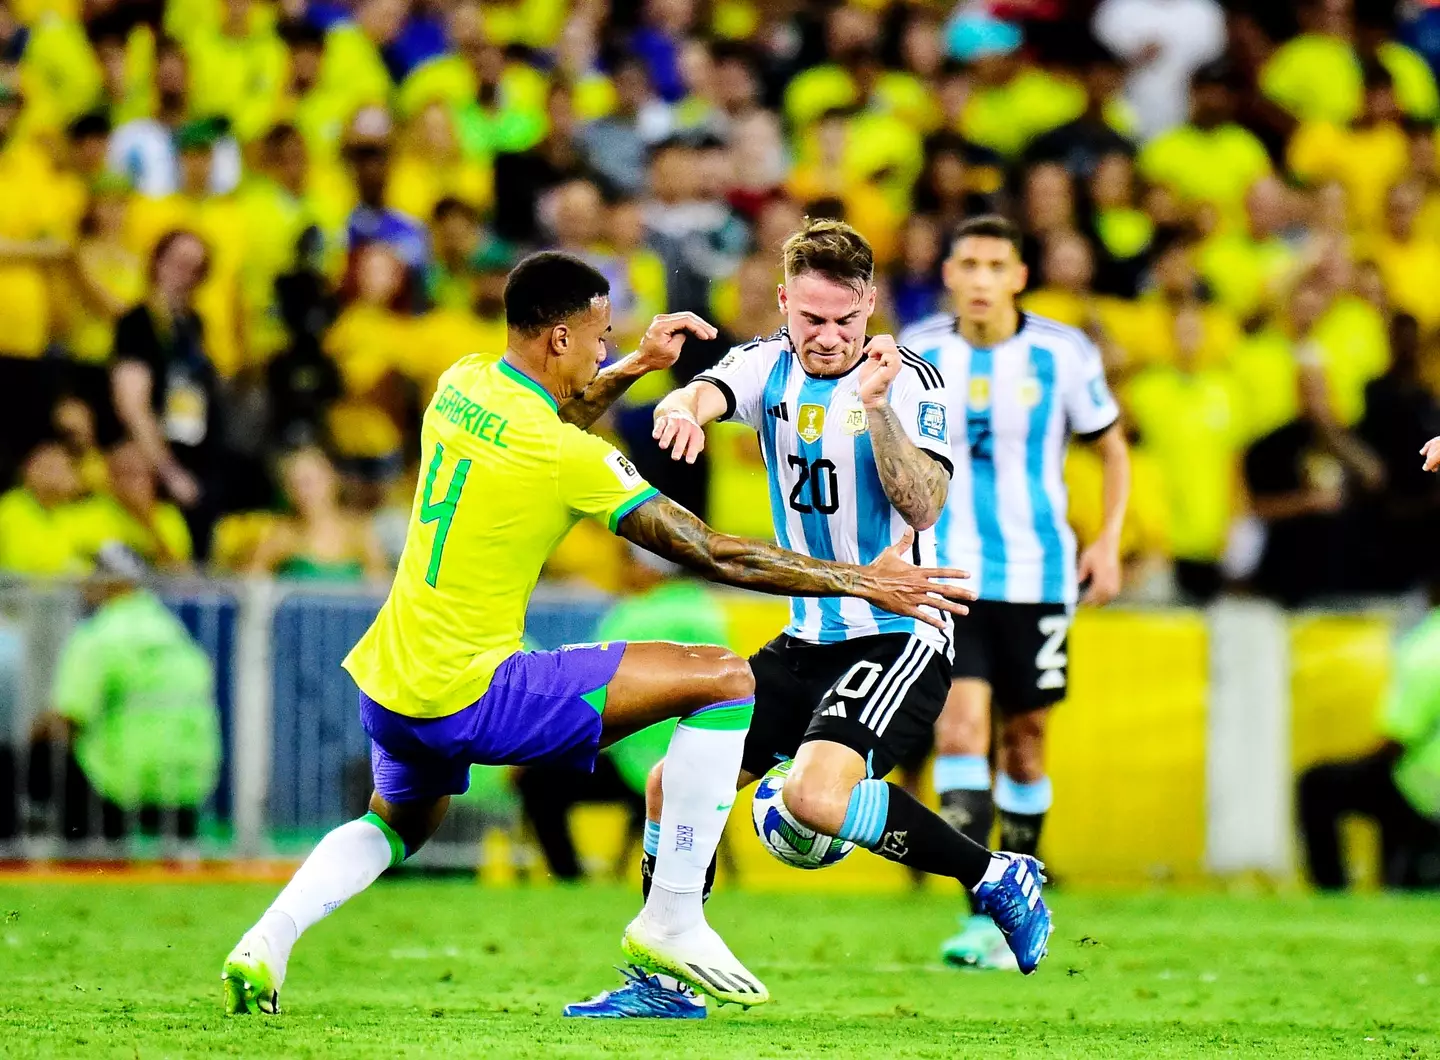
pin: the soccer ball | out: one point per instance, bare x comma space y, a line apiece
786, 838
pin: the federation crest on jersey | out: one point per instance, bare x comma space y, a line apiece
810, 423
980, 393
855, 422
1029, 392
932, 421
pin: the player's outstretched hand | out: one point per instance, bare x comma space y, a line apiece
661, 343
900, 587
1431, 453
882, 365
679, 432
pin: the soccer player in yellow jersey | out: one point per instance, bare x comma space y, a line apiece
507, 469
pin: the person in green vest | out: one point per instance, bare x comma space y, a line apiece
660, 604
1397, 786
133, 707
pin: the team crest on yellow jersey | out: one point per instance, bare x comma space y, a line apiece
855, 422
810, 423
980, 393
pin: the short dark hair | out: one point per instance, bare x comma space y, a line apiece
89, 126
451, 205
831, 249
549, 288
990, 226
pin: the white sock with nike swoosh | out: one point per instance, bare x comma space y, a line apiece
701, 766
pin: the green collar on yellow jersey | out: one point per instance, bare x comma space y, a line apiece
529, 384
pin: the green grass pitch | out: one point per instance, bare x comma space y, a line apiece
424, 968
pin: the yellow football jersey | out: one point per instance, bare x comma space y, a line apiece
502, 480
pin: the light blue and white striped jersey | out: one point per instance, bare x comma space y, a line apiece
826, 498
1006, 517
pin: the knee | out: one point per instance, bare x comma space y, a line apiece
816, 801
1022, 747
733, 678
963, 727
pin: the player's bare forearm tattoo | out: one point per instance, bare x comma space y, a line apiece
663, 527
604, 390
915, 481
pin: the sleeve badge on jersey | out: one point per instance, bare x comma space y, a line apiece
624, 470
932, 421
1097, 392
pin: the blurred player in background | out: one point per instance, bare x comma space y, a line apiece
444, 679
855, 433
1028, 384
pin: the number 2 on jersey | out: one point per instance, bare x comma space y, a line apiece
441, 512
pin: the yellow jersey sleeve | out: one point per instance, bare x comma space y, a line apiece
596, 480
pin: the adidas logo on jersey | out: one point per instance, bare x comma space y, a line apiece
779, 412
732, 981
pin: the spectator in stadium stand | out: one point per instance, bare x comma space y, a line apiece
1397, 785
31, 227
959, 179
368, 149
695, 232
1399, 408
164, 387
36, 536
659, 42
1081, 143
752, 131
1211, 159
132, 513
320, 541
522, 178
1303, 479
144, 150
914, 288
133, 719
1319, 74
1049, 205
615, 146
1163, 42
75, 427
105, 278
1408, 259
1189, 418
1247, 266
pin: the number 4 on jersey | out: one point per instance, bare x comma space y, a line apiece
441, 512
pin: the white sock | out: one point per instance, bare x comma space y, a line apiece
700, 771
998, 864
343, 864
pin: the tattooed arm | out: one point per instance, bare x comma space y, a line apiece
604, 390
658, 350
663, 527
915, 481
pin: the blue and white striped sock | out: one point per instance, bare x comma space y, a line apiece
865, 816
961, 773
652, 838
1030, 799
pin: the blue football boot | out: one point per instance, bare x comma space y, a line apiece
1014, 903
642, 997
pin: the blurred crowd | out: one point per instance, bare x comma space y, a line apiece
240, 240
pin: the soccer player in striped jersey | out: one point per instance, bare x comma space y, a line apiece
856, 438
445, 680
1026, 385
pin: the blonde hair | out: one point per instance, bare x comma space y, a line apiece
831, 249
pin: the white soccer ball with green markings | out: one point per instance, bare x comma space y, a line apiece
786, 838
